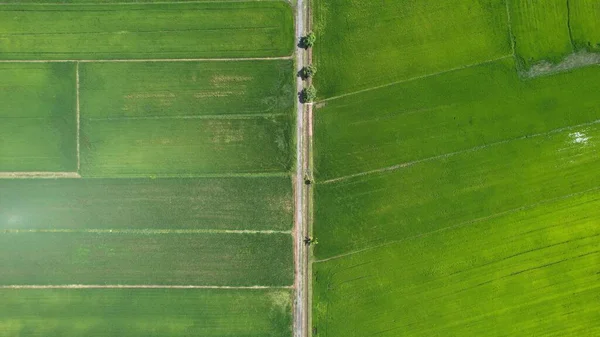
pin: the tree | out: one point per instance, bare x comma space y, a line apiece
308, 40
308, 71
308, 95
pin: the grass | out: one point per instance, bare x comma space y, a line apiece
42, 258
584, 24
438, 194
158, 147
260, 203
541, 30
37, 118
186, 88
145, 313
528, 273
163, 31
362, 44
450, 112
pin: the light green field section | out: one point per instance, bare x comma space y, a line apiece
46, 258
159, 89
156, 31
528, 273
540, 30
433, 195
363, 44
167, 147
585, 15
446, 113
258, 203
145, 313
37, 117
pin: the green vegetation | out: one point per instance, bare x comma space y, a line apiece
145, 313
37, 117
185, 89
541, 30
363, 44
308, 71
532, 272
309, 94
450, 112
175, 146
215, 259
584, 24
451, 190
146, 31
308, 41
259, 203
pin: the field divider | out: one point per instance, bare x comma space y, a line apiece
78, 115
416, 78
149, 231
42, 175
127, 3
154, 60
451, 154
193, 176
462, 224
140, 286
510, 31
222, 116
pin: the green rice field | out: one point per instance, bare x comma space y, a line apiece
146, 31
144, 312
460, 200
37, 119
145, 168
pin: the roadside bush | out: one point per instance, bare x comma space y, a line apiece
308, 95
308, 71
308, 40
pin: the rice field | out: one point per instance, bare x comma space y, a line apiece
461, 201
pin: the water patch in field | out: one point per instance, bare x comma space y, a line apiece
579, 138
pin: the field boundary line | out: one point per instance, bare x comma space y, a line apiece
138, 286
47, 175
451, 154
192, 176
463, 224
222, 116
231, 59
510, 31
129, 3
78, 115
416, 78
148, 231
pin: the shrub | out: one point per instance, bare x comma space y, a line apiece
308, 71
308, 40
308, 95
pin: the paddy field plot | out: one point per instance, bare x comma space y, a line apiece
531, 272
37, 118
146, 31
584, 16
145, 312
362, 44
228, 203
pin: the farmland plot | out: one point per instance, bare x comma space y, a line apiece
130, 258
37, 117
148, 31
584, 24
145, 312
243, 203
451, 112
541, 30
363, 44
434, 195
532, 272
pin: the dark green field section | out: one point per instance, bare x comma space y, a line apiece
362, 44
159, 89
533, 272
146, 31
258, 203
451, 112
541, 30
38, 121
455, 190
145, 312
584, 16
148, 147
46, 258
